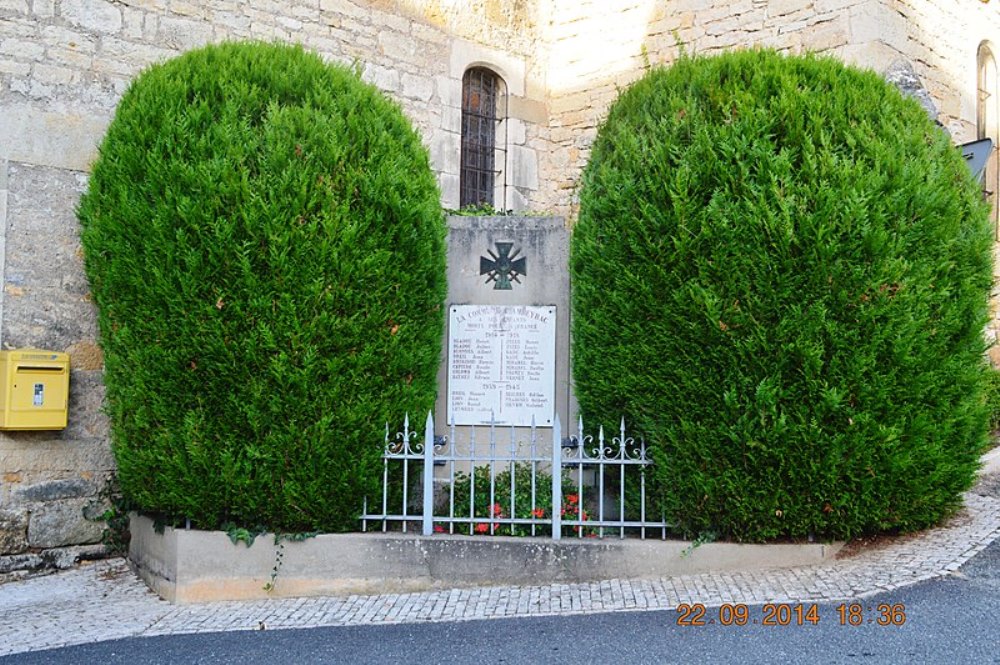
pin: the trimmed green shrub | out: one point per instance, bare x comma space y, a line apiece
781, 272
264, 240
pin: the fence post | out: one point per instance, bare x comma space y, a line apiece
556, 479
428, 521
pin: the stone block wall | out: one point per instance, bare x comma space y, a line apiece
50, 481
926, 47
937, 38
64, 65
942, 42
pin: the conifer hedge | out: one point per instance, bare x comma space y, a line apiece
781, 272
264, 242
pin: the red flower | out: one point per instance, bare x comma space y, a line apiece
572, 499
538, 513
439, 529
497, 509
482, 528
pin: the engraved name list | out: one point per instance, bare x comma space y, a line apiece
501, 364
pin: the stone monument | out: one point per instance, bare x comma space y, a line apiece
506, 349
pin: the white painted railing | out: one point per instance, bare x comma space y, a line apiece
599, 473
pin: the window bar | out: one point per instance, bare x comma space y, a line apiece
479, 118
503, 150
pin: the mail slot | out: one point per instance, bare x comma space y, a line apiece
34, 393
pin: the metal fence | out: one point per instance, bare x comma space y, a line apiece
578, 486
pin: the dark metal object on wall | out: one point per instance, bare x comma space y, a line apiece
977, 154
503, 267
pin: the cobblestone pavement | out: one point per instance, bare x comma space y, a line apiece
104, 600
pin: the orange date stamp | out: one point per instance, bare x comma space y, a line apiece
789, 614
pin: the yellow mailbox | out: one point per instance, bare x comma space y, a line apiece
34, 393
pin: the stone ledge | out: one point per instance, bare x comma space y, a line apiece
189, 566
30, 564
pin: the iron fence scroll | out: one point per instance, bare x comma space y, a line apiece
567, 484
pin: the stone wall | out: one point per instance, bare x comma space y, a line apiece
64, 65
926, 47
49, 481
942, 41
937, 38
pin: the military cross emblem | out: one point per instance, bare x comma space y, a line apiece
503, 267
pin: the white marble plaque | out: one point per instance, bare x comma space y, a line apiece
501, 361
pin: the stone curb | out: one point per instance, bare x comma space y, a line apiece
191, 566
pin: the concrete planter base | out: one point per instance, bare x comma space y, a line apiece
188, 566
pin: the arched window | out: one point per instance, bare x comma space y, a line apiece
987, 125
484, 101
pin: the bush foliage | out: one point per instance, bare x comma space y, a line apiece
265, 245
781, 272
487, 494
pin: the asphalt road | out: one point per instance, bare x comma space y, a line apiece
950, 620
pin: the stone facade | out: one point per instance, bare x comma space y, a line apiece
64, 64
936, 39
